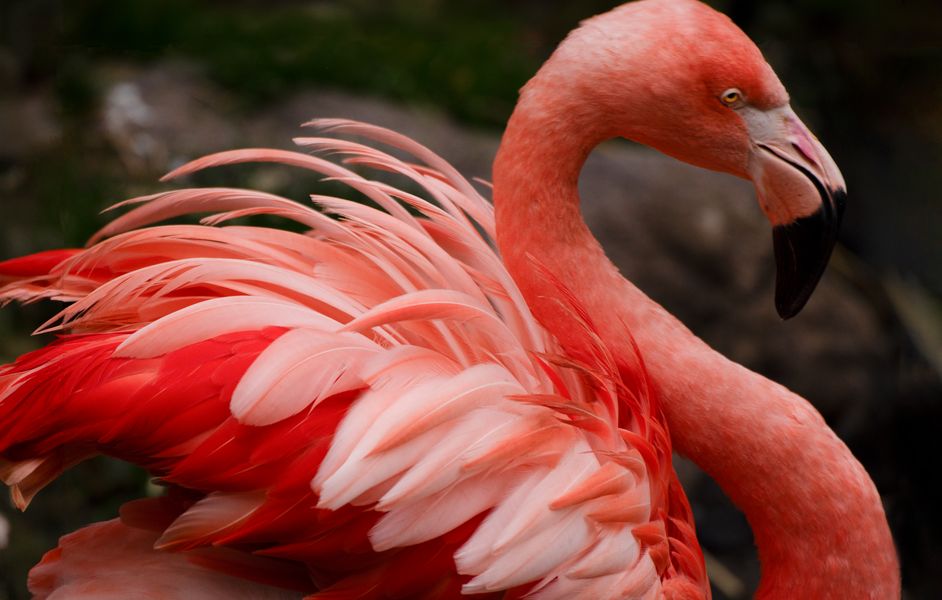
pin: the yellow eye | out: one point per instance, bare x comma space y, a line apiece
731, 97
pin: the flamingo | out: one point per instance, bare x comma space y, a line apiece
385, 407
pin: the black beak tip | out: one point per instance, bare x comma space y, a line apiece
788, 308
802, 250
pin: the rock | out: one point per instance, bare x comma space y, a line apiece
28, 124
157, 118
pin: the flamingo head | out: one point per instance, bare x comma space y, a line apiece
682, 78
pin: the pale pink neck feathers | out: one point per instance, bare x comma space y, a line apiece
817, 517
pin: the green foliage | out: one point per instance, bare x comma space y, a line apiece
470, 65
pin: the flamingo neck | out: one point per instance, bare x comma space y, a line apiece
816, 516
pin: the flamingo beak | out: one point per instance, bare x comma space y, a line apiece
802, 193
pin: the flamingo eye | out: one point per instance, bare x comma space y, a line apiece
731, 98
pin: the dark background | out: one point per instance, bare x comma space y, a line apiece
866, 75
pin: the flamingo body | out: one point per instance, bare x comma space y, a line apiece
385, 407
356, 400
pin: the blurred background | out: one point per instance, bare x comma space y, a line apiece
98, 98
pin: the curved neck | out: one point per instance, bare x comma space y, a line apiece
817, 518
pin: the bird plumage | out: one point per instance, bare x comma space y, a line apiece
385, 407
350, 396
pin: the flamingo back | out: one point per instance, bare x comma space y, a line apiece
370, 401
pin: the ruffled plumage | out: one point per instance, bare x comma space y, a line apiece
371, 399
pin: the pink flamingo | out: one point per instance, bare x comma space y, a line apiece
385, 408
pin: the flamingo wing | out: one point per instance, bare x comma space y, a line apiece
113, 561
371, 400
